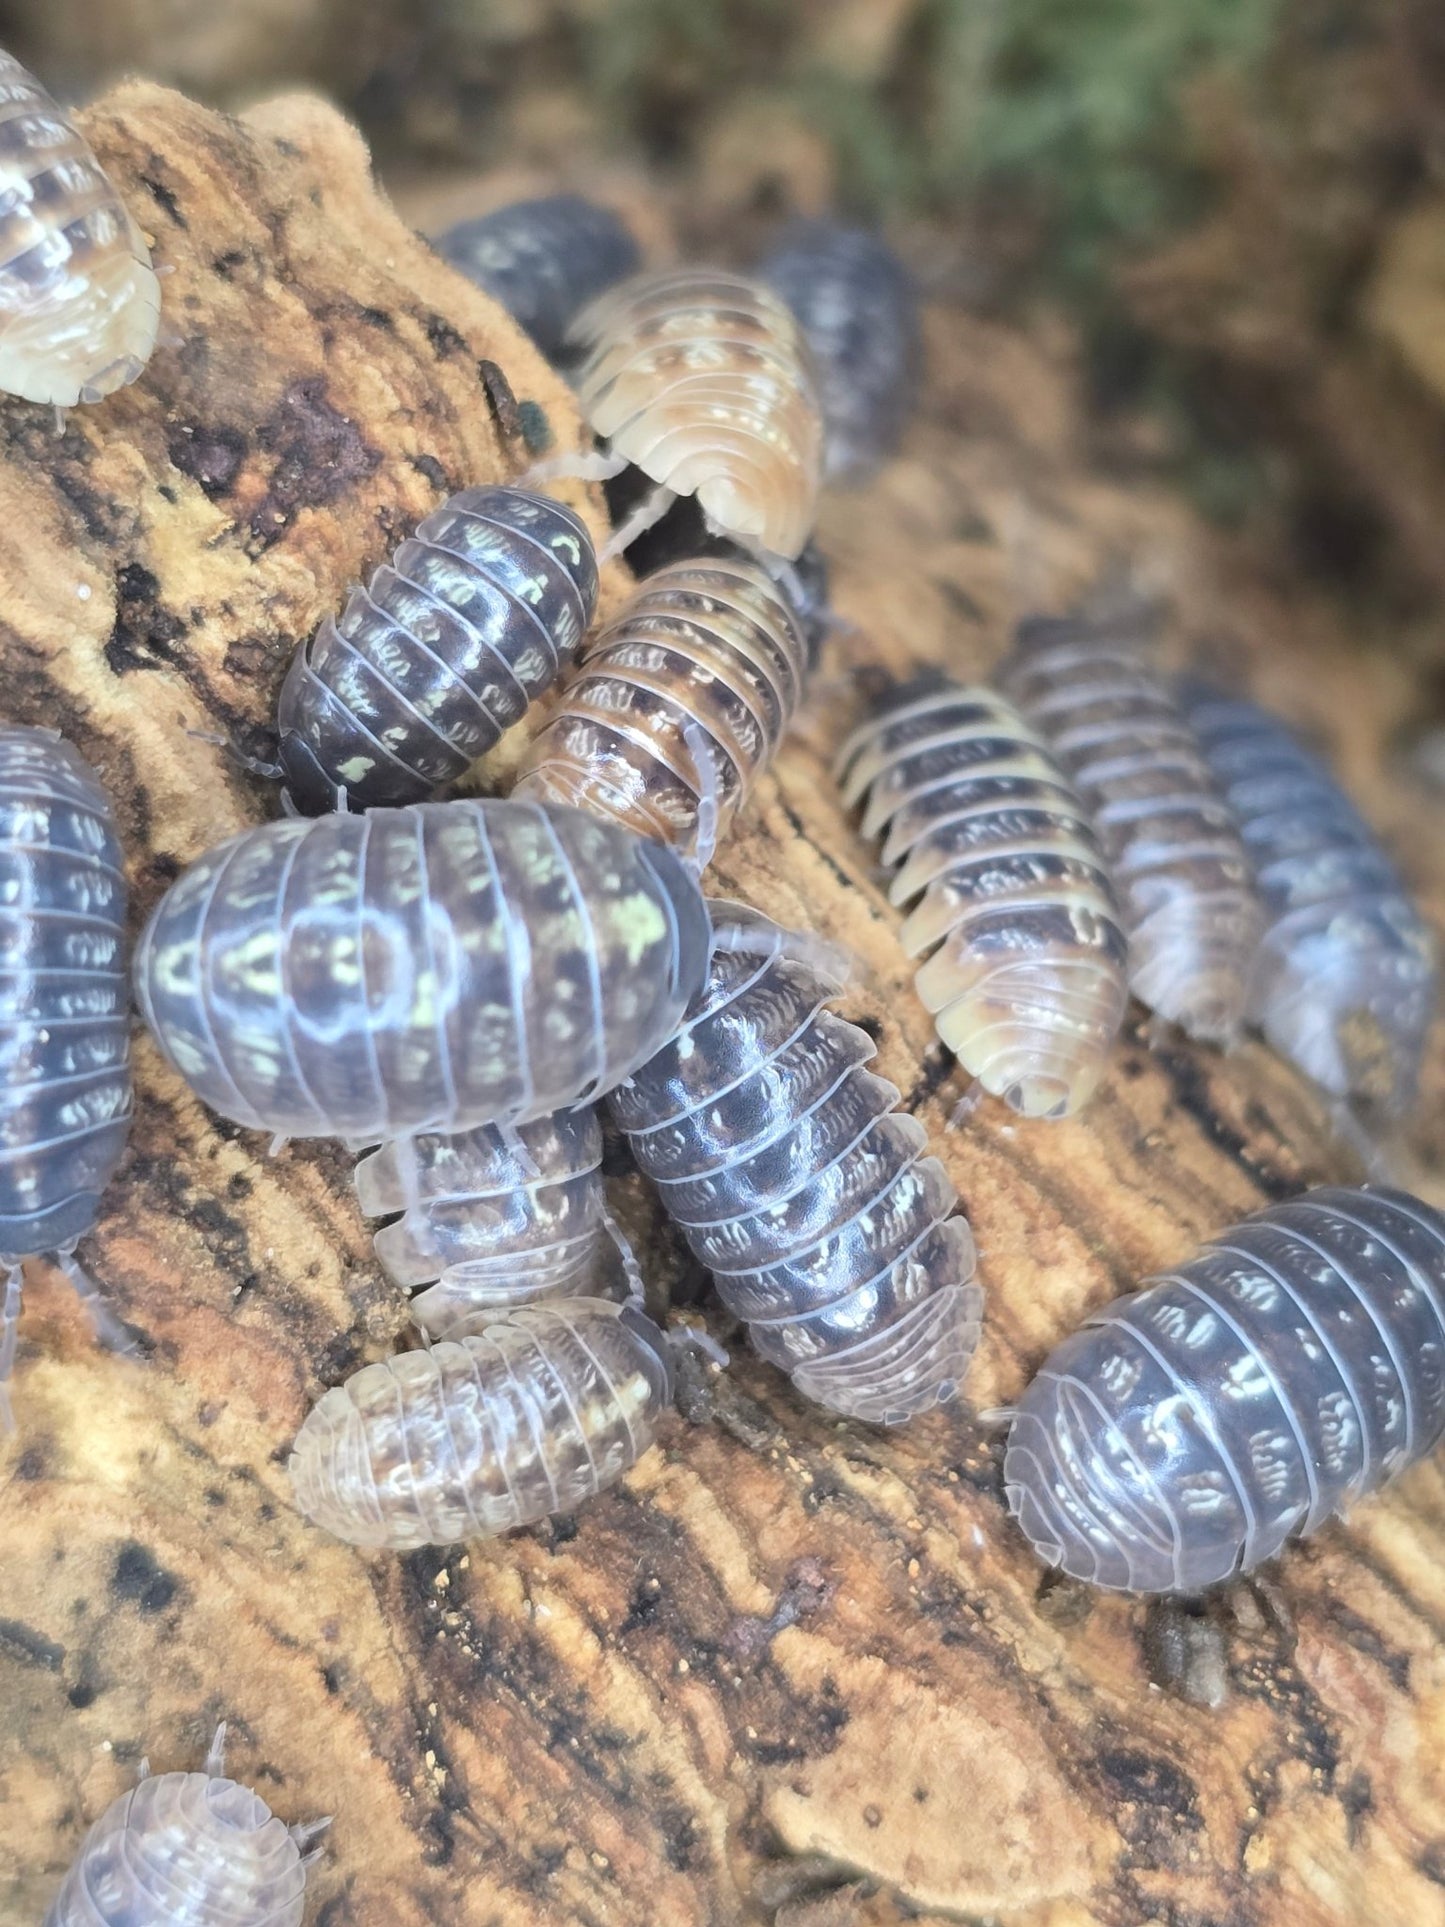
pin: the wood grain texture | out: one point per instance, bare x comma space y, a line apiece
790, 1671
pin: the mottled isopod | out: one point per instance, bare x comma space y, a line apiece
543, 260
430, 968
64, 1015
826, 1225
488, 1218
707, 660
702, 379
856, 304
1188, 1430
528, 1411
79, 302
1344, 983
187, 1850
1174, 848
1025, 978
475, 615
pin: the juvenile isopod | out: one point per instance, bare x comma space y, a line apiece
826, 1225
1344, 983
64, 1016
708, 660
79, 302
856, 304
486, 1218
474, 616
188, 1850
543, 260
1171, 840
1012, 904
430, 968
702, 379
525, 1411
1187, 1431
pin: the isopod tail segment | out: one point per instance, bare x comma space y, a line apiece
302, 1832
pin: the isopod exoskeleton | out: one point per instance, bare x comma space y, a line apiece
187, 1850
65, 1105
1012, 904
827, 1227
79, 301
856, 304
1187, 1431
707, 660
430, 968
543, 260
537, 1409
474, 616
702, 379
1344, 983
487, 1218
1173, 846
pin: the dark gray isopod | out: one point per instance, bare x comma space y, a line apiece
65, 1104
1189, 1430
543, 260
474, 616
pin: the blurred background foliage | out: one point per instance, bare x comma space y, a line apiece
1238, 203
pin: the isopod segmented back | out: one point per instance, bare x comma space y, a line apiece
1344, 984
826, 1225
425, 669
1187, 1431
430, 968
528, 1412
707, 660
702, 379
1174, 848
1012, 905
79, 302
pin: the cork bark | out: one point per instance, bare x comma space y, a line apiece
791, 1671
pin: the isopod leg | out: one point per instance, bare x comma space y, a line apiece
9, 1330
272, 771
964, 1109
647, 514
595, 465
631, 1269
737, 935
216, 1756
517, 1145
304, 1832
704, 838
697, 1338
109, 1331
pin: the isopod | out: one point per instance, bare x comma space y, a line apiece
856, 304
1172, 843
79, 301
702, 379
1187, 1431
1344, 983
429, 968
543, 260
1012, 904
475, 615
827, 1227
64, 1016
188, 1850
527, 1411
707, 659
488, 1218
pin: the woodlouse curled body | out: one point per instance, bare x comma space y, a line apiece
79, 301
474, 616
64, 1015
1344, 984
1189, 1430
543, 260
702, 379
1012, 903
430, 968
188, 1850
857, 307
707, 658
827, 1227
1173, 845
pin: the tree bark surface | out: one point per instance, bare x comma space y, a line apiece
790, 1671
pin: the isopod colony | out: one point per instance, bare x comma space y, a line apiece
452, 985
